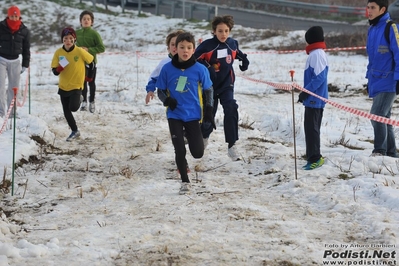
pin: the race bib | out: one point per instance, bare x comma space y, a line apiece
181, 83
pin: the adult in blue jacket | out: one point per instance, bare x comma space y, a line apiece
218, 54
382, 74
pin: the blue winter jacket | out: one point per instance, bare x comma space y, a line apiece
185, 86
315, 78
382, 72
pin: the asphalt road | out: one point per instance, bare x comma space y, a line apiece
254, 19
261, 20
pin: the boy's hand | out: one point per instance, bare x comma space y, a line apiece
59, 69
170, 102
302, 97
149, 97
211, 69
245, 63
208, 116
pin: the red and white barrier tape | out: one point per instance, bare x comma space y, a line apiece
144, 54
3, 127
288, 87
300, 51
15, 101
350, 109
25, 92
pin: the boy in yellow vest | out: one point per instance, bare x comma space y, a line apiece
69, 64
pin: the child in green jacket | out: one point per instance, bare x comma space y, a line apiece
90, 40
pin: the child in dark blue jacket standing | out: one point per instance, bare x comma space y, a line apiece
218, 54
315, 80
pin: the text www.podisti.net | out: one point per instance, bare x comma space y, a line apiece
364, 257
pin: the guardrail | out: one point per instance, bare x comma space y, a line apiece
361, 11
315, 7
210, 8
191, 5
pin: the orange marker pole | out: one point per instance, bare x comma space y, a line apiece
293, 122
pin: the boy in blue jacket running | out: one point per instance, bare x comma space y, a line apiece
180, 87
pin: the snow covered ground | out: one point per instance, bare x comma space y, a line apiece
111, 197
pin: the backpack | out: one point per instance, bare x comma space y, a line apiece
386, 35
386, 31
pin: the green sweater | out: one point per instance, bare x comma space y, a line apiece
91, 39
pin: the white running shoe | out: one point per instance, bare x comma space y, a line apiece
92, 107
233, 154
206, 143
185, 188
73, 135
83, 107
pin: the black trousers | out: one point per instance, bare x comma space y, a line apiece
71, 103
230, 120
312, 124
195, 143
92, 87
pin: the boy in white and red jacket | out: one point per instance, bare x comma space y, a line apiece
315, 80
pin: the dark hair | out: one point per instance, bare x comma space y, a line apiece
172, 35
68, 31
185, 36
227, 19
87, 12
380, 3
